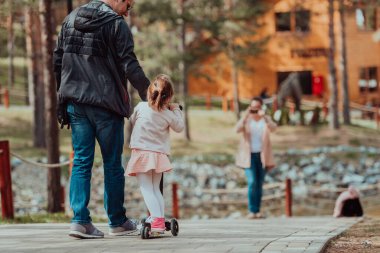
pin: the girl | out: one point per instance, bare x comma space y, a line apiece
150, 145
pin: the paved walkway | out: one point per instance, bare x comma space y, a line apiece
273, 235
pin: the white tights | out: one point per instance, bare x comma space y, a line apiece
150, 189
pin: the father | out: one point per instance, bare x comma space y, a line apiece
93, 59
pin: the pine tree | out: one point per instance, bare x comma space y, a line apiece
10, 46
35, 72
334, 112
343, 65
52, 140
237, 23
176, 36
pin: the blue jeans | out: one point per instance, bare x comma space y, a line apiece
89, 123
255, 179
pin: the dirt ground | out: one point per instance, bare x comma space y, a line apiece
364, 237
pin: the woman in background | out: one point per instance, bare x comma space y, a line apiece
255, 152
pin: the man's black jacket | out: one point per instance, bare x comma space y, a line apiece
94, 58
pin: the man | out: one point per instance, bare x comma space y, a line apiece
93, 59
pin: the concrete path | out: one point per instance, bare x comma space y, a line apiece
272, 235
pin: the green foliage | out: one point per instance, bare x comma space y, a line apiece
211, 28
155, 49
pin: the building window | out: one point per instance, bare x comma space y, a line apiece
302, 21
366, 19
298, 21
368, 79
283, 23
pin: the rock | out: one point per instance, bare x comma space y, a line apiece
311, 170
323, 177
234, 215
300, 190
231, 185
15, 162
292, 174
304, 167
352, 179
284, 167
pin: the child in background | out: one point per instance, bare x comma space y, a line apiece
150, 145
348, 204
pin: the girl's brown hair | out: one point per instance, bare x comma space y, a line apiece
159, 92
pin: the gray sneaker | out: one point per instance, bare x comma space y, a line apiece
127, 228
85, 231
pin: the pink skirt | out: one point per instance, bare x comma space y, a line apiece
142, 161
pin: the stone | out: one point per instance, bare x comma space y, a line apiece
353, 178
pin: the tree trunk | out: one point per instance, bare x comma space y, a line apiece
234, 68
11, 71
184, 69
35, 75
343, 66
334, 114
52, 140
235, 81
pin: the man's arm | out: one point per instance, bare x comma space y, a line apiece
57, 58
129, 63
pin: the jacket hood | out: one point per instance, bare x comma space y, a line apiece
92, 16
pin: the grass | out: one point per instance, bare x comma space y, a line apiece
213, 141
21, 78
44, 218
211, 133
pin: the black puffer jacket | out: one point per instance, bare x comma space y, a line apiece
94, 58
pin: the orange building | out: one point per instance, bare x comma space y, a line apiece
299, 42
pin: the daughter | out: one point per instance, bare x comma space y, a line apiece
150, 145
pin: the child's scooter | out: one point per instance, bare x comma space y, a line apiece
170, 225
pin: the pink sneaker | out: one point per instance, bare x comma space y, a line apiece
158, 225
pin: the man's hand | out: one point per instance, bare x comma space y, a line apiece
62, 116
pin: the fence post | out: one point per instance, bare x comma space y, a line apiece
288, 197
6, 98
377, 116
1, 94
175, 200
7, 209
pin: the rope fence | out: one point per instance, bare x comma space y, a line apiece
7, 198
38, 164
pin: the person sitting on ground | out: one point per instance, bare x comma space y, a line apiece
348, 204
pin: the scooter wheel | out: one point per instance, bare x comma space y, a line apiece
174, 227
145, 232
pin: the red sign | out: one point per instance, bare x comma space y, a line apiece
318, 85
